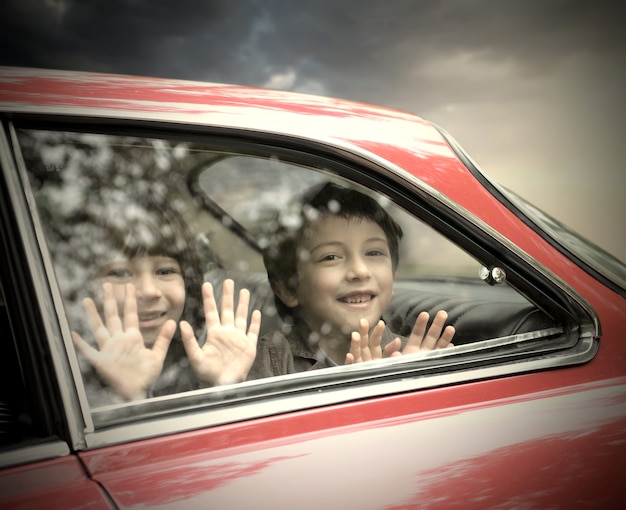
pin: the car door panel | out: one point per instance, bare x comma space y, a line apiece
396, 461
59, 483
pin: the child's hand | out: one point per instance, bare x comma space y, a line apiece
230, 348
122, 359
434, 338
365, 346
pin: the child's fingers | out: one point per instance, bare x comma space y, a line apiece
228, 306
109, 306
434, 332
364, 328
414, 342
162, 343
419, 328
131, 320
99, 330
255, 326
355, 348
392, 348
436, 338
446, 338
93, 317
211, 316
241, 315
84, 348
366, 353
376, 336
189, 340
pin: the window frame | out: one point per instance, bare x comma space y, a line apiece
56, 423
126, 422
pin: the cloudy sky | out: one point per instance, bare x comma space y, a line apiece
532, 89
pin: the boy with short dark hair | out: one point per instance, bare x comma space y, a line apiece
143, 276
331, 262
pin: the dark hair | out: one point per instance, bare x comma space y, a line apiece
280, 255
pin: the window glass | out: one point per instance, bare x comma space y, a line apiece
271, 185
167, 215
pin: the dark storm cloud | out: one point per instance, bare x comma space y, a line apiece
533, 90
115, 35
352, 46
377, 43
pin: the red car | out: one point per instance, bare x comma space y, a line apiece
527, 410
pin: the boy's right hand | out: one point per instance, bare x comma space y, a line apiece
122, 359
366, 345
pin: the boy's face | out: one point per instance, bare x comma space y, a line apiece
344, 274
159, 287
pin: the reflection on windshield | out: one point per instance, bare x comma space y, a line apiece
222, 182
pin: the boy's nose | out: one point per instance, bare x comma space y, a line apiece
146, 287
358, 270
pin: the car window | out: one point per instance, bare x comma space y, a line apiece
89, 187
271, 185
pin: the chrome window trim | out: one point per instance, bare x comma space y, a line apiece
78, 417
28, 453
371, 386
318, 392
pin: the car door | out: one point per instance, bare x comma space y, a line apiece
511, 415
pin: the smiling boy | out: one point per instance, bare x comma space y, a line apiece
331, 263
144, 279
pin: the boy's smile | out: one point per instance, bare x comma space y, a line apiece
148, 319
344, 274
357, 298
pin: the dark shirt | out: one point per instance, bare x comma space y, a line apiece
296, 350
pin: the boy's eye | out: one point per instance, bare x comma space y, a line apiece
118, 273
165, 271
329, 257
375, 253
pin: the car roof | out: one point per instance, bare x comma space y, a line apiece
400, 142
86, 94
